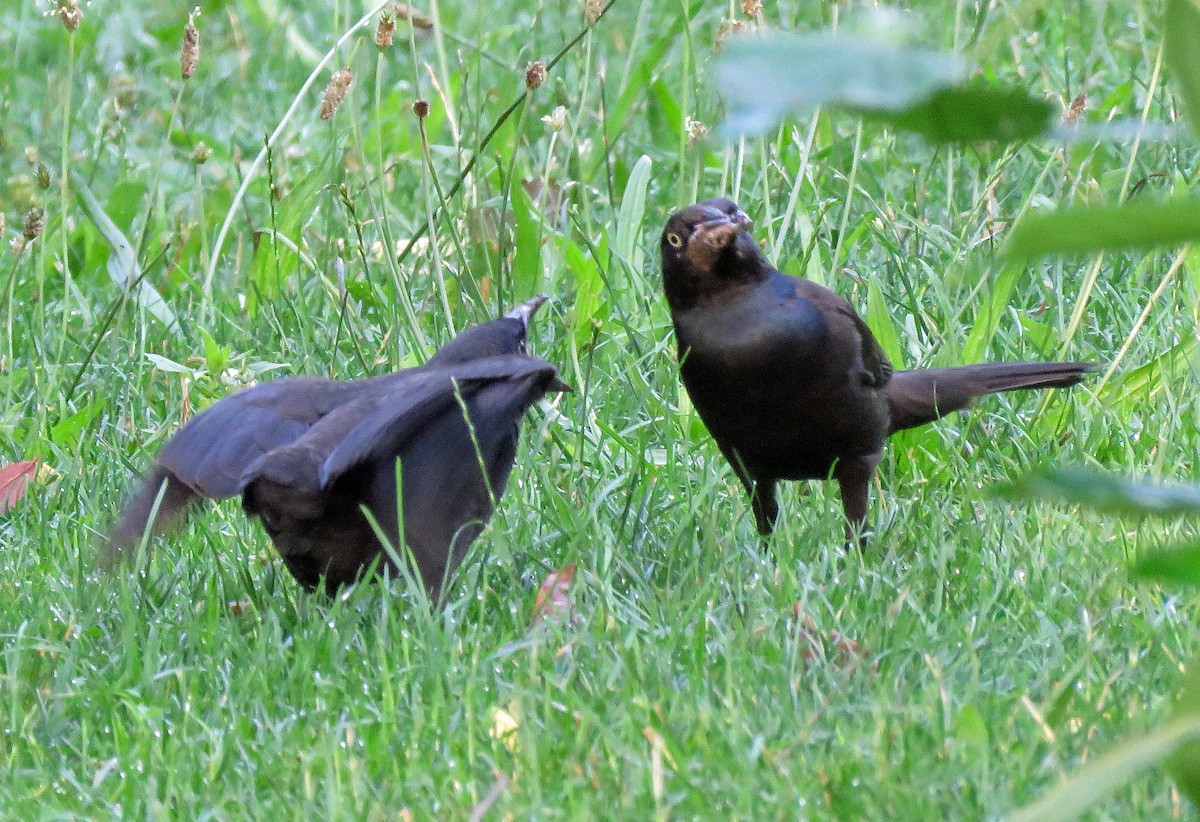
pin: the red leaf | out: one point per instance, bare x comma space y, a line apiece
14, 479
554, 597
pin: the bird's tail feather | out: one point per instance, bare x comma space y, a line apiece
140, 508
917, 397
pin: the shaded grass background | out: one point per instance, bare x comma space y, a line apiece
1010, 644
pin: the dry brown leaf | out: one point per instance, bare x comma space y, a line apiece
14, 481
848, 652
554, 597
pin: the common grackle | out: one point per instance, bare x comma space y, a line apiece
212, 455
788, 378
452, 430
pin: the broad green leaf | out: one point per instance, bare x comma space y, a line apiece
1103, 492
1101, 776
589, 290
764, 78
65, 433
527, 253
216, 357
1181, 52
633, 212
1179, 563
1105, 228
122, 263
1142, 384
993, 308
974, 113
880, 323
169, 366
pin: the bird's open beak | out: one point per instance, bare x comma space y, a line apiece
525, 311
713, 236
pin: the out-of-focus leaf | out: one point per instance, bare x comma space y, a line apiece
1179, 563
14, 481
974, 113
1082, 229
1181, 53
1184, 764
1103, 775
122, 263
764, 78
1104, 492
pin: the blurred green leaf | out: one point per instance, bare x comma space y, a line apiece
1103, 492
1181, 53
1105, 228
1179, 563
1184, 764
764, 78
1102, 776
974, 113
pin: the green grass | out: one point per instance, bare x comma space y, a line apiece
1007, 645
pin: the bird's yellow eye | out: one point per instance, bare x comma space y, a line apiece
674, 239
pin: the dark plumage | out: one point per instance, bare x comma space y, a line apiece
306, 452
788, 378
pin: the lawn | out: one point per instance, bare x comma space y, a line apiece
974, 654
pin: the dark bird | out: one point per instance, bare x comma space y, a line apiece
788, 378
246, 442
448, 434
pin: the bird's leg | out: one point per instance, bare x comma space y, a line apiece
766, 507
854, 477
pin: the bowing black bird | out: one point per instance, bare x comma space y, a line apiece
242, 445
446, 439
788, 379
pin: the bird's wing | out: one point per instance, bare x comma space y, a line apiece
396, 416
211, 452
878, 368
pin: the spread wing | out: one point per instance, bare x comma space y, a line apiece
211, 452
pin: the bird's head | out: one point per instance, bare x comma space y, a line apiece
507, 335
706, 247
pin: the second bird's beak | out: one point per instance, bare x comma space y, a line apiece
525, 311
713, 236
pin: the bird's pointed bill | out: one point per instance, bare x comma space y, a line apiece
525, 311
711, 237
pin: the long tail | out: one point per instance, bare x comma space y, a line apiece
918, 397
140, 507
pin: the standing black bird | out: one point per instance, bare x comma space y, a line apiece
210, 456
788, 378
